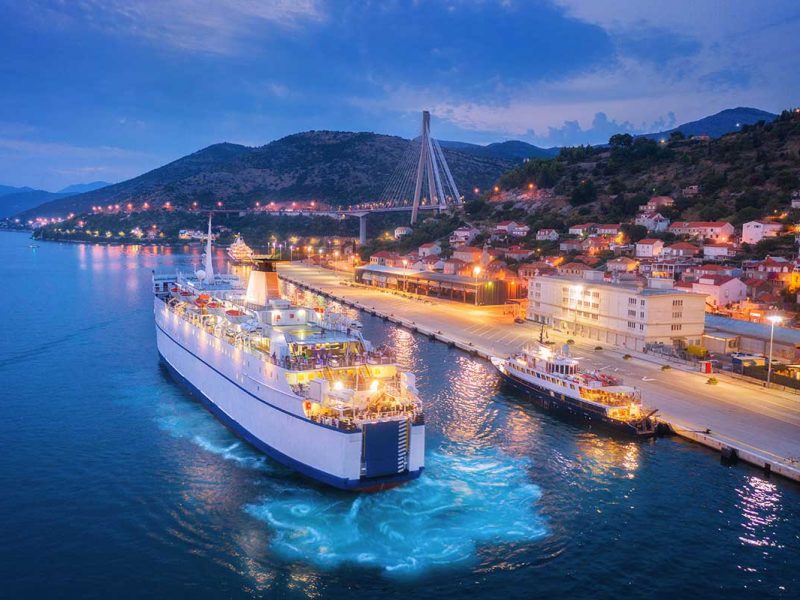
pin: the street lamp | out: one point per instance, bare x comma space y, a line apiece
476, 271
773, 319
405, 281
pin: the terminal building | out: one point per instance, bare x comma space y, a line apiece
630, 315
459, 288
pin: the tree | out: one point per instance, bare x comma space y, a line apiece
620, 140
584, 193
676, 136
633, 232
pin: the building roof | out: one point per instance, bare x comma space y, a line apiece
760, 331
716, 279
468, 249
384, 254
430, 245
683, 246
698, 224
575, 266
648, 242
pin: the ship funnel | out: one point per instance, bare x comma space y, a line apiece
262, 286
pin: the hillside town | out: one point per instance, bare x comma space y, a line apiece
692, 289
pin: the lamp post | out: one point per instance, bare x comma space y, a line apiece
476, 271
405, 281
772, 319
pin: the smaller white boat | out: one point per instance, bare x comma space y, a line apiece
239, 252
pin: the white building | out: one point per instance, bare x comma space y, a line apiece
549, 235
718, 231
656, 203
463, 235
582, 229
401, 232
623, 315
652, 221
429, 249
755, 231
718, 251
720, 290
648, 248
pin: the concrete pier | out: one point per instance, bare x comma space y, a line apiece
762, 426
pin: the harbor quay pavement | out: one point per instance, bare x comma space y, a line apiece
763, 426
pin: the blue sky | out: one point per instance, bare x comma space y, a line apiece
109, 89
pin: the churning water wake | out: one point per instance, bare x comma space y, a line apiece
466, 498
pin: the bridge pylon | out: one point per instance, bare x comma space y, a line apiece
432, 167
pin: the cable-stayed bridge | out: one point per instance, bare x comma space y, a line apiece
421, 181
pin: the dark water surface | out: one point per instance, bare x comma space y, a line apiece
114, 483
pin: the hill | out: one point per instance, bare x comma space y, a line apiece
335, 167
513, 150
717, 125
20, 202
738, 177
8, 189
79, 188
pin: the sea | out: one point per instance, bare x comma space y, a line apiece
114, 483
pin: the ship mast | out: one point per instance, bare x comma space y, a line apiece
209, 266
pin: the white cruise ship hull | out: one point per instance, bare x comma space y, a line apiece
252, 398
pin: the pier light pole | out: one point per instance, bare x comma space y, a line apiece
476, 271
772, 319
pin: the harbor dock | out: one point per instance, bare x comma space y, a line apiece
737, 417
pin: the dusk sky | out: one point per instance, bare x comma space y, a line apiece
109, 89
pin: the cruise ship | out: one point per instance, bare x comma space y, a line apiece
239, 252
554, 380
300, 384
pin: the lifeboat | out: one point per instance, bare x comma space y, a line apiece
236, 316
186, 295
215, 307
202, 300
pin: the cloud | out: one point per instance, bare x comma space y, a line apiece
672, 62
211, 26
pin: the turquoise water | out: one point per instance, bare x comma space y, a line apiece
116, 484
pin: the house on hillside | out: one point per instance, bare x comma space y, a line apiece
652, 221
383, 257
583, 229
623, 264
518, 253
546, 235
612, 229
469, 254
755, 231
719, 251
573, 268
528, 270
570, 245
681, 249
463, 235
720, 290
656, 203
719, 231
649, 248
430, 249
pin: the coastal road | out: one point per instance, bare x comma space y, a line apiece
737, 412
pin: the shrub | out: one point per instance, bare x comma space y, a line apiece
598, 347
626, 356
570, 341
712, 381
665, 367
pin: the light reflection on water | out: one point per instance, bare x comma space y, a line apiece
471, 495
466, 498
153, 497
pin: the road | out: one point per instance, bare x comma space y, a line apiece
738, 413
